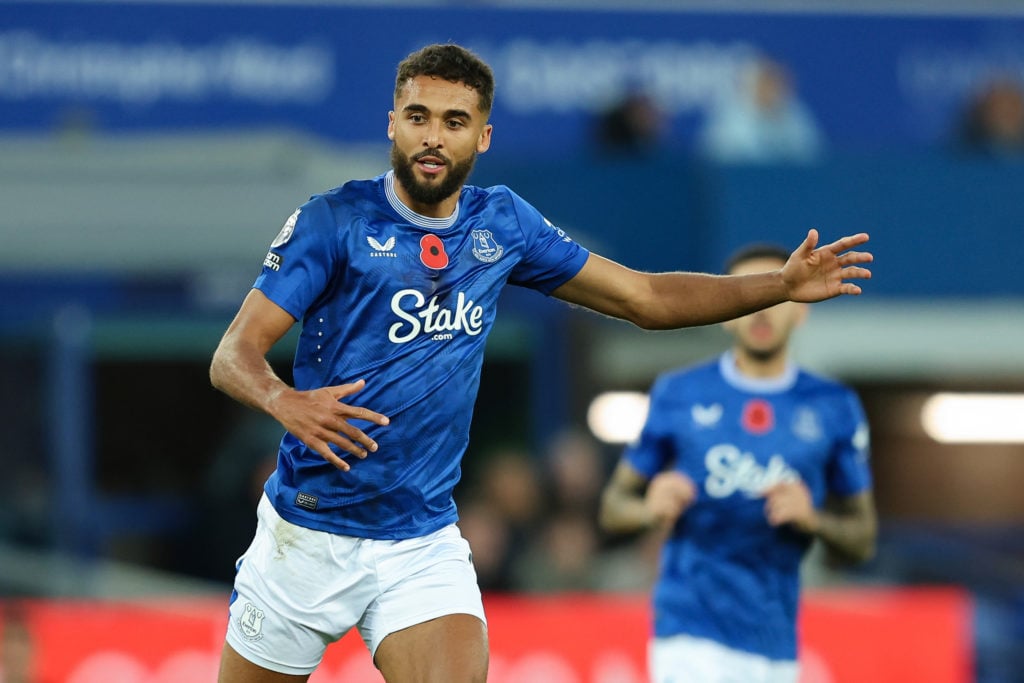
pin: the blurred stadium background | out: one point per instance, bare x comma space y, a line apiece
149, 152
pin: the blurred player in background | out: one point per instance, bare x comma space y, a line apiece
743, 462
395, 281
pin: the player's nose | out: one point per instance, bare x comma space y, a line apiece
432, 136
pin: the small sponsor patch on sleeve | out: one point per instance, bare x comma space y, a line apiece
273, 261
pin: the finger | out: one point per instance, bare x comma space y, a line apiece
358, 442
353, 441
849, 288
779, 512
848, 242
329, 455
689, 484
339, 391
355, 444
668, 516
686, 497
360, 413
856, 273
854, 257
809, 243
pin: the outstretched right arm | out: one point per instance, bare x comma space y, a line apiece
316, 417
659, 301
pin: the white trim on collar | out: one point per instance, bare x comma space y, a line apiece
756, 385
410, 215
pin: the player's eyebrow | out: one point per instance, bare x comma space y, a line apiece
457, 114
450, 114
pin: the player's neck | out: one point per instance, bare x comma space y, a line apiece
761, 367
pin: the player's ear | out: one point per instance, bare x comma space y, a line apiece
391, 126
483, 143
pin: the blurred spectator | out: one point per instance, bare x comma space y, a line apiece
993, 121
763, 122
531, 522
490, 538
511, 482
632, 126
576, 472
501, 516
564, 558
563, 554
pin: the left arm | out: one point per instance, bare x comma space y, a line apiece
672, 300
848, 525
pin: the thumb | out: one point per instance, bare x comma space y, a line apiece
810, 242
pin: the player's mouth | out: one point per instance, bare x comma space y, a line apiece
761, 331
430, 164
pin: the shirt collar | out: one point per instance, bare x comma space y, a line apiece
410, 215
756, 385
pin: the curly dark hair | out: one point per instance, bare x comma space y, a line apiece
452, 63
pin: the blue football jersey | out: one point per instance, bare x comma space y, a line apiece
725, 573
405, 302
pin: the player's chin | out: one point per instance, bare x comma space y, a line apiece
763, 347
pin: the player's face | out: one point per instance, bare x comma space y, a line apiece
765, 334
436, 129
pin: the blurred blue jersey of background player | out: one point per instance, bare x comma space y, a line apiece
743, 462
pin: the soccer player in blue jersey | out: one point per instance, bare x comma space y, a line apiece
743, 461
395, 282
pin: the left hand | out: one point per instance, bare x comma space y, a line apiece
815, 274
789, 502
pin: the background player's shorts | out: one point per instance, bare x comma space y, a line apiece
685, 659
298, 590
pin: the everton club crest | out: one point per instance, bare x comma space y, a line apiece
485, 248
251, 622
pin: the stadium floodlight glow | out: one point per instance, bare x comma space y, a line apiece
974, 418
618, 416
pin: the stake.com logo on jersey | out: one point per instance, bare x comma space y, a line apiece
731, 470
419, 316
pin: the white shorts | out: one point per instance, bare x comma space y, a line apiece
685, 659
298, 590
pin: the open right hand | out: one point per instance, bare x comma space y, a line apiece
815, 273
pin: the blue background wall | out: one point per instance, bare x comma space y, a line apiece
874, 80
887, 91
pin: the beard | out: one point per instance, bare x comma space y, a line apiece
766, 354
430, 193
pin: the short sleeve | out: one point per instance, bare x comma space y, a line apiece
552, 258
652, 451
301, 258
849, 470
